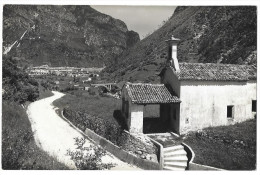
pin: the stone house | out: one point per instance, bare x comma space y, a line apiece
136, 95
199, 95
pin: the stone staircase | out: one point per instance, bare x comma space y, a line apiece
175, 158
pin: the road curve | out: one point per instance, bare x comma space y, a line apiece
56, 136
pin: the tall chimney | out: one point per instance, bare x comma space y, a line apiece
172, 53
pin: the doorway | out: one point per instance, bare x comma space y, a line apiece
153, 123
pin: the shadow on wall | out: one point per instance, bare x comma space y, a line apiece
118, 116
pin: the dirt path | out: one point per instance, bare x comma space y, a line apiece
55, 136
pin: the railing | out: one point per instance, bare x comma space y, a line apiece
160, 147
195, 166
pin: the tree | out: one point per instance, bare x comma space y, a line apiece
17, 85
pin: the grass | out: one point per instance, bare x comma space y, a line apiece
43, 93
102, 107
19, 150
227, 147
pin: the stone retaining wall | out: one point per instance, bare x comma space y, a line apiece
121, 154
138, 145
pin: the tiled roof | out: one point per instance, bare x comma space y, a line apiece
216, 72
252, 72
150, 93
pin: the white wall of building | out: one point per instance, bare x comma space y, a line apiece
135, 121
204, 103
134, 115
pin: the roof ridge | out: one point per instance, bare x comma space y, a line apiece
214, 64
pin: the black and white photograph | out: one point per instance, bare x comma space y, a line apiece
162, 87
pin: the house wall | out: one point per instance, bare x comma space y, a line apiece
170, 78
133, 113
252, 93
125, 104
175, 117
135, 120
204, 103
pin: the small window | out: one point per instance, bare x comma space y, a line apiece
253, 105
230, 111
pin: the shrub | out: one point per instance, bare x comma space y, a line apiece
110, 131
88, 158
93, 91
102, 127
17, 84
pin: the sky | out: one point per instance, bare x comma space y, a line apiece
141, 19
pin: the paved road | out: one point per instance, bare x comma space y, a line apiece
56, 136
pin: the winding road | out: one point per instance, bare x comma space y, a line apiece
55, 136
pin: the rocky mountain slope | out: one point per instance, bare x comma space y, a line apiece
63, 35
208, 35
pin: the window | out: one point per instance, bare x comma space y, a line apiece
253, 105
230, 111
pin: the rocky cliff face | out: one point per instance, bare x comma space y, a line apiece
64, 35
208, 35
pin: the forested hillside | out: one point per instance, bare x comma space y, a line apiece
208, 35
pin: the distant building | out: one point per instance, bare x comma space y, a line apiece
56, 82
193, 96
87, 80
86, 88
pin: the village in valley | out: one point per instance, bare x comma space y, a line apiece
64, 71
74, 78
160, 103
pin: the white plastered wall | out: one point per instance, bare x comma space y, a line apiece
135, 121
204, 103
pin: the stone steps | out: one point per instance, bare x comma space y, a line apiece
173, 148
175, 158
175, 153
176, 164
173, 168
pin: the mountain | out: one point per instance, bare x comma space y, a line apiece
219, 34
63, 35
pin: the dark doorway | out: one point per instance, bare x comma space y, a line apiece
152, 122
253, 105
